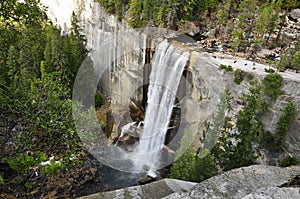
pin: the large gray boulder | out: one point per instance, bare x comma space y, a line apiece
258, 181
295, 14
274, 192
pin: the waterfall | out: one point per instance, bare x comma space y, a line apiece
167, 67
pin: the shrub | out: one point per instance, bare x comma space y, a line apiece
239, 76
288, 161
272, 83
284, 122
291, 59
222, 67
53, 167
249, 126
205, 166
23, 162
249, 76
191, 166
270, 70
226, 68
183, 167
98, 100
229, 68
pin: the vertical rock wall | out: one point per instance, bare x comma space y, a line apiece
118, 53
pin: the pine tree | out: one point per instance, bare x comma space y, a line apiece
135, 12
162, 14
223, 16
244, 25
167, 14
13, 65
267, 22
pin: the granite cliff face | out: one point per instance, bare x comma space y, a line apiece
210, 81
118, 53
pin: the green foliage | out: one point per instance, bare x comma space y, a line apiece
38, 68
284, 123
294, 181
249, 126
88, 124
134, 15
222, 67
272, 83
288, 161
98, 100
244, 25
17, 13
226, 68
264, 140
249, 76
1, 179
52, 168
183, 167
270, 70
239, 76
229, 68
222, 149
288, 4
291, 59
103, 124
113, 7
192, 166
267, 21
205, 166
223, 15
24, 162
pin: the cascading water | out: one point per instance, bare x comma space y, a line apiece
167, 67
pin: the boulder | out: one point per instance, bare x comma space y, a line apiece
274, 192
146, 179
117, 117
249, 182
295, 15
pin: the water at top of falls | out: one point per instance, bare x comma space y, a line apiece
167, 67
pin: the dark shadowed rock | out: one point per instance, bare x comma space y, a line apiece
145, 180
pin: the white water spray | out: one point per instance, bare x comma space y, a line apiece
167, 68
